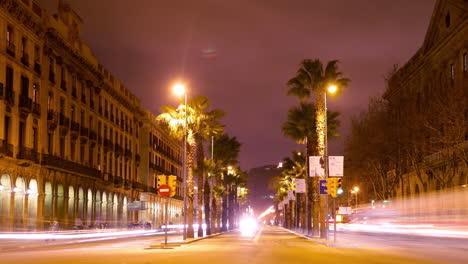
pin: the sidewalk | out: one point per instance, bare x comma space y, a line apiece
328, 243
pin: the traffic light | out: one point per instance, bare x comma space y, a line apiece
339, 182
172, 182
161, 180
332, 186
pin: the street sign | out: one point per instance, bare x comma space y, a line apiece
315, 167
345, 210
300, 186
137, 206
164, 190
336, 166
323, 187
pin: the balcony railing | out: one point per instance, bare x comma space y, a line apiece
6, 148
36, 109
52, 77
64, 121
57, 162
28, 154
127, 184
108, 144
63, 85
11, 48
75, 126
118, 181
139, 186
25, 59
52, 119
25, 103
84, 131
10, 96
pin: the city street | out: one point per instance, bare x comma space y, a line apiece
270, 245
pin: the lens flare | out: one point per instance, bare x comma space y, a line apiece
248, 226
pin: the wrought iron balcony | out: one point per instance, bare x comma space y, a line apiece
64, 121
28, 154
36, 109
25, 59
10, 96
60, 163
75, 126
11, 49
25, 103
37, 67
108, 145
52, 119
6, 148
84, 131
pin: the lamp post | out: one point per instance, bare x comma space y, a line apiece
330, 89
179, 90
355, 191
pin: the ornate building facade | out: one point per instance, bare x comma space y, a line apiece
428, 97
71, 133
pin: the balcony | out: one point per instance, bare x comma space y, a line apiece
74, 92
108, 177
64, 121
118, 182
25, 59
28, 154
37, 67
63, 85
6, 148
75, 129
63, 164
52, 119
25, 104
118, 150
137, 159
128, 154
36, 109
10, 96
108, 146
84, 131
127, 184
11, 49
139, 186
52, 77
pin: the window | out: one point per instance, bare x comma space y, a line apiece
49, 101
50, 142
7, 129
35, 138
452, 72
62, 147
21, 134
72, 150
82, 118
72, 114
465, 66
82, 153
24, 46
9, 79
447, 20
24, 86
37, 54
10, 35
62, 105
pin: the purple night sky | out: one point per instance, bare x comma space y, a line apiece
148, 44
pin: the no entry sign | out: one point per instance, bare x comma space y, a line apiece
164, 190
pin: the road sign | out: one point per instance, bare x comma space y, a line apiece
316, 168
335, 163
300, 186
164, 190
137, 206
345, 210
323, 187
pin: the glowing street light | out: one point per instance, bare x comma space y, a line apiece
179, 89
356, 189
332, 89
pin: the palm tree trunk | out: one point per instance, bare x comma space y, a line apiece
224, 216
207, 206
190, 160
214, 214
321, 125
200, 182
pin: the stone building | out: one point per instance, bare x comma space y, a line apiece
70, 132
428, 100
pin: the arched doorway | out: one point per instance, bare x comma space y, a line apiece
5, 188
61, 205
89, 208
97, 208
47, 204
71, 206
124, 212
104, 208
115, 207
32, 205
80, 204
19, 191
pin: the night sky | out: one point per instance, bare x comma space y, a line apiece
240, 53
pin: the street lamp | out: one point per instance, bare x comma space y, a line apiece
332, 88
180, 90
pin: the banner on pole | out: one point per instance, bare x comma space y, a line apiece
336, 166
291, 196
315, 167
300, 186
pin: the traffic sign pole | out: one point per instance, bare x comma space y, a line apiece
165, 233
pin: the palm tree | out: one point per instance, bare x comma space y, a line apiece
312, 77
196, 120
206, 126
300, 126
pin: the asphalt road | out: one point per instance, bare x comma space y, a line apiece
270, 245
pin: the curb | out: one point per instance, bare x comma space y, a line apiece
188, 242
317, 240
